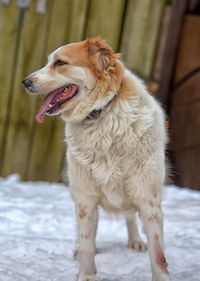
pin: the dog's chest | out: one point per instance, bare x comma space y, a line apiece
103, 151
106, 152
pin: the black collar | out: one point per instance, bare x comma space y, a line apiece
94, 114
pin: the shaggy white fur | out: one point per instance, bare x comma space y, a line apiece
118, 162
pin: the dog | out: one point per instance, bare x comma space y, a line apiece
115, 135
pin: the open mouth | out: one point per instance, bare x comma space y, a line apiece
55, 99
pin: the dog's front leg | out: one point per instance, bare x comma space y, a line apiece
151, 216
87, 222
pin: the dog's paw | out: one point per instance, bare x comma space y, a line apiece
138, 245
88, 278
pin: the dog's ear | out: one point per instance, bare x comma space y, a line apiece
101, 55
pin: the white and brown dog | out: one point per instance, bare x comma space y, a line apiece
115, 135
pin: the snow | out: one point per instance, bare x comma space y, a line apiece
37, 234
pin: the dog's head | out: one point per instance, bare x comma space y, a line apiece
77, 79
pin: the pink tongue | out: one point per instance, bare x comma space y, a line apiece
51, 98
46, 102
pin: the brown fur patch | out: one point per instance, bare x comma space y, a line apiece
82, 214
153, 218
127, 89
85, 236
101, 56
151, 203
63, 69
160, 258
75, 54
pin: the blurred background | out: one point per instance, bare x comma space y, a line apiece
159, 40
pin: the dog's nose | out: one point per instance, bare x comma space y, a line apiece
27, 82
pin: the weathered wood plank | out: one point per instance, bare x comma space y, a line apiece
8, 35
162, 43
185, 123
188, 163
67, 23
187, 60
141, 34
22, 107
189, 47
178, 10
105, 20
193, 6
78, 19
185, 106
48, 146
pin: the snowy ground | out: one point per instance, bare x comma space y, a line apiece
37, 233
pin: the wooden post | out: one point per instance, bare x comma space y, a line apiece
9, 29
105, 19
140, 34
178, 10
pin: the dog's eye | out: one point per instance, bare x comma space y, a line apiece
59, 63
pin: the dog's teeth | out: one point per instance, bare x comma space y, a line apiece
50, 105
66, 90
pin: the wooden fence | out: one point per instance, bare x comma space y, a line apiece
28, 35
